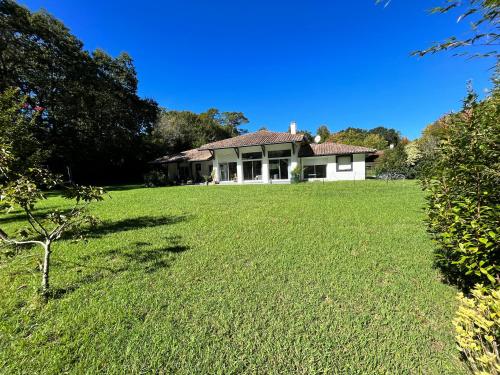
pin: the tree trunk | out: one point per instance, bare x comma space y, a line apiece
45, 269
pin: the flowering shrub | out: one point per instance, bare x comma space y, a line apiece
477, 327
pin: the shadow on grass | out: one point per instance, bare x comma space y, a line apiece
137, 257
123, 187
108, 227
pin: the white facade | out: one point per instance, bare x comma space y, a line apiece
230, 168
333, 173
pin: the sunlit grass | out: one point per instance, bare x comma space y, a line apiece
307, 278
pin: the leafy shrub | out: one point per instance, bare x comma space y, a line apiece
464, 198
155, 178
477, 327
296, 174
393, 164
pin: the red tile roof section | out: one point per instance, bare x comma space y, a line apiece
262, 137
330, 148
189, 155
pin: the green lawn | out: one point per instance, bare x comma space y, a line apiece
308, 278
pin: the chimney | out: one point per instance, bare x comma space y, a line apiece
293, 127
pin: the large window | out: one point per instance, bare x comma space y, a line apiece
252, 155
252, 170
344, 163
228, 172
315, 171
278, 169
279, 154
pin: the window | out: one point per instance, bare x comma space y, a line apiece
344, 163
252, 155
252, 170
315, 171
228, 171
278, 169
279, 154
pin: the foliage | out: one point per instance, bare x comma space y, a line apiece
92, 119
484, 28
17, 129
296, 174
428, 145
177, 131
379, 138
413, 154
463, 195
323, 132
24, 187
308, 137
477, 327
394, 162
169, 270
483, 17
155, 178
391, 136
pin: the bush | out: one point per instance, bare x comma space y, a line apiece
296, 174
477, 327
155, 178
393, 164
464, 198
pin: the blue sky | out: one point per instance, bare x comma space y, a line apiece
340, 63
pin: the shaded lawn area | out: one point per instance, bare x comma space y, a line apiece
307, 278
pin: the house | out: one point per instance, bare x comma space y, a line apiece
268, 157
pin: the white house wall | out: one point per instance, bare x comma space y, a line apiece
229, 156
357, 173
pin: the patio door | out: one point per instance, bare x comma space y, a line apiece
227, 171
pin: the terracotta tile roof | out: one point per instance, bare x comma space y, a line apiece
262, 137
330, 148
189, 155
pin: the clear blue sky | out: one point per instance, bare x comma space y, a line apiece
340, 63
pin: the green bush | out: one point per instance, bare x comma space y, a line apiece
296, 174
394, 164
477, 327
155, 178
464, 195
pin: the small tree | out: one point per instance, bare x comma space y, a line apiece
25, 191
23, 185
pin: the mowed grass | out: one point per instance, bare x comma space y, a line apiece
308, 278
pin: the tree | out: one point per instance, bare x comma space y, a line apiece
391, 136
349, 136
374, 141
308, 137
394, 163
361, 137
323, 132
24, 188
93, 120
17, 127
177, 131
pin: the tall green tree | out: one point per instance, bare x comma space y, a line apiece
391, 136
324, 133
360, 137
93, 120
177, 131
